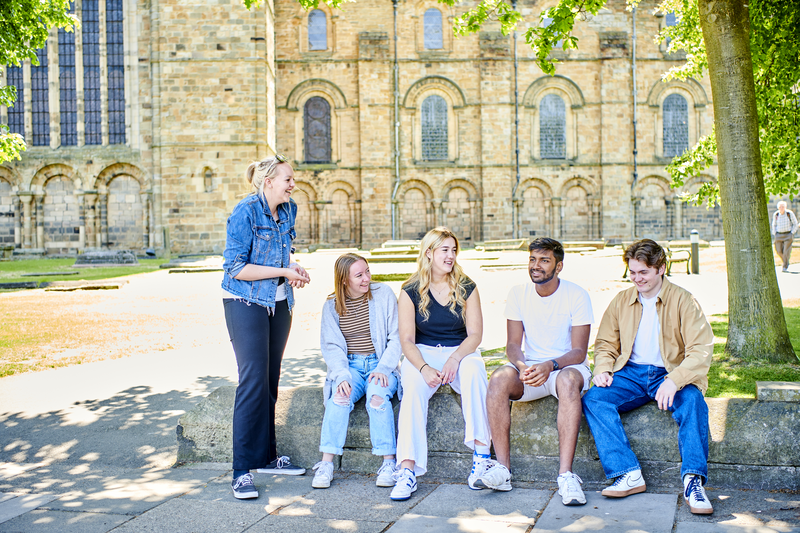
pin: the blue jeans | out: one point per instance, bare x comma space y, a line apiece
381, 418
633, 386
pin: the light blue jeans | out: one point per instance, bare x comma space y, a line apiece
381, 418
633, 386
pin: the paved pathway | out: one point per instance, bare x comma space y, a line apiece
89, 448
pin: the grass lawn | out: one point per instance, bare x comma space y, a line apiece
12, 271
390, 277
728, 377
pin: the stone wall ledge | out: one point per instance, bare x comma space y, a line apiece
754, 444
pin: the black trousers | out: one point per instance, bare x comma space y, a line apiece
258, 341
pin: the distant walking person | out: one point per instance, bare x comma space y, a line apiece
361, 347
257, 295
784, 226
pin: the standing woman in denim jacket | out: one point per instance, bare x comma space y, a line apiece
257, 295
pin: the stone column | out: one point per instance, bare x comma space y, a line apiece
151, 214
145, 198
103, 222
473, 218
359, 233
17, 221
25, 200
597, 219
81, 220
39, 202
90, 222
558, 218
321, 218
677, 217
351, 211
438, 212
548, 219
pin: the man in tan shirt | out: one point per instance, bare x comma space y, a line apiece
654, 343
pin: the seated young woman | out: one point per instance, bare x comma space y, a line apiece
360, 344
441, 326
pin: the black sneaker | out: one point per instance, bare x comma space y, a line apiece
282, 465
243, 488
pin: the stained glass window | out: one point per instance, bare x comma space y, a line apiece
317, 30
68, 98
317, 120
116, 72
545, 23
92, 113
671, 20
39, 100
676, 125
16, 114
552, 128
433, 29
434, 129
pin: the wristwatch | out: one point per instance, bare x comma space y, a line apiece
555, 365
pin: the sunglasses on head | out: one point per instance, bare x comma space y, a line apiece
279, 158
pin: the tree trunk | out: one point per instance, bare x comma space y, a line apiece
757, 327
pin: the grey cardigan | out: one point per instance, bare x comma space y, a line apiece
383, 331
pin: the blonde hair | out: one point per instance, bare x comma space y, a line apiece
422, 277
258, 172
341, 273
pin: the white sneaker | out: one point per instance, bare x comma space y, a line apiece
323, 475
405, 487
478, 468
496, 477
625, 485
569, 486
695, 495
386, 474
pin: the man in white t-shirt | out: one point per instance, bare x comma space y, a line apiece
551, 319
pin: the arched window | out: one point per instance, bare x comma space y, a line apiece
40, 101
317, 122
433, 29
16, 113
68, 97
676, 125
115, 59
670, 20
434, 129
317, 30
92, 114
552, 128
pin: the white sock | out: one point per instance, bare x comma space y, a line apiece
482, 451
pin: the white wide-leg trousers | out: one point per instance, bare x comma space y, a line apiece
470, 382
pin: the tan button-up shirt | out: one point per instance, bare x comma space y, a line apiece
686, 341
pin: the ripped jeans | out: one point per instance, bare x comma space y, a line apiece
381, 418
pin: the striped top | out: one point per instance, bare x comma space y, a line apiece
355, 326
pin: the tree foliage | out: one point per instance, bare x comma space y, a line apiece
24, 27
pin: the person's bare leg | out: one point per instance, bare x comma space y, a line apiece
568, 384
504, 385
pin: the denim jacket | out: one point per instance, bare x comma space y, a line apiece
254, 237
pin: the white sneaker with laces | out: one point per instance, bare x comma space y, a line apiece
478, 468
386, 474
625, 485
406, 485
496, 477
695, 495
323, 475
569, 487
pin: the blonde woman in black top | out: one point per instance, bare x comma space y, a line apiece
441, 326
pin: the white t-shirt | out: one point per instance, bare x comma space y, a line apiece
646, 350
548, 321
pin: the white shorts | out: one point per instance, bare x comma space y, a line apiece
549, 386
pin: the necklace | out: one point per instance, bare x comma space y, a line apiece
355, 305
439, 292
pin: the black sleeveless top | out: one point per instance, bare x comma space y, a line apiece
442, 326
